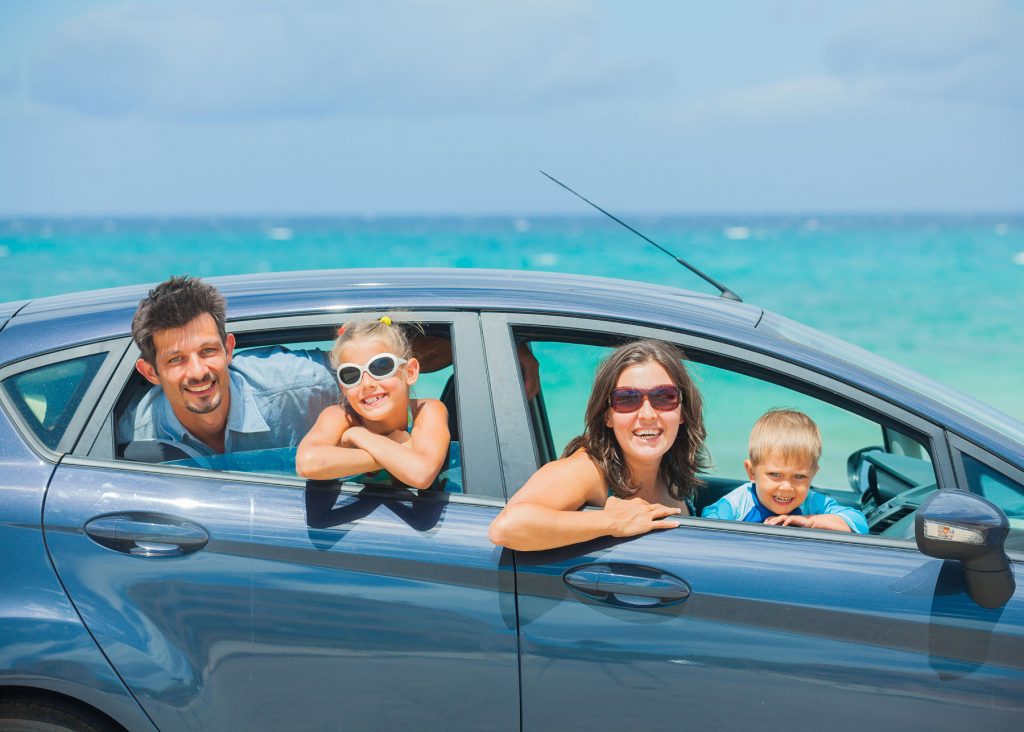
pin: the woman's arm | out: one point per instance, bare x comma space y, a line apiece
544, 514
418, 461
319, 456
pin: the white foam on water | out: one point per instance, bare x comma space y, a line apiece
737, 233
280, 233
544, 259
521, 225
1018, 258
1001, 229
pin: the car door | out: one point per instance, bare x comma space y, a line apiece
723, 625
259, 602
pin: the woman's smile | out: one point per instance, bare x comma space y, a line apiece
646, 433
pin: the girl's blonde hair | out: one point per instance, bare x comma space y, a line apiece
395, 336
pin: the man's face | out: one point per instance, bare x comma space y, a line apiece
192, 368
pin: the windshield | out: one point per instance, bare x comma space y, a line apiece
885, 369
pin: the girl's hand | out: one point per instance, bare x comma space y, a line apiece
350, 438
334, 448
633, 516
401, 437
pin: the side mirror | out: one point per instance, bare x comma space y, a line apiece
954, 524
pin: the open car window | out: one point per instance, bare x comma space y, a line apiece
135, 409
868, 463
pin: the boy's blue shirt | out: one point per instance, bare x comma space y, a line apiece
741, 504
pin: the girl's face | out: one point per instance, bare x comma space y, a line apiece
646, 434
378, 400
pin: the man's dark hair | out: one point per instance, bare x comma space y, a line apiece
172, 304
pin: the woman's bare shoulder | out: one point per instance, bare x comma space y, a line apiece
568, 482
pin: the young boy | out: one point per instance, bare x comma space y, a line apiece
785, 446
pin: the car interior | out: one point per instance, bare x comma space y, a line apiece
867, 464
437, 384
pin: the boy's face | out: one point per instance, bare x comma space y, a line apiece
781, 482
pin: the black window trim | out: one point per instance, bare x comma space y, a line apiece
481, 470
514, 423
113, 348
961, 447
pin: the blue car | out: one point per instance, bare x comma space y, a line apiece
149, 591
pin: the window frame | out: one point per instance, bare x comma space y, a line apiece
480, 468
113, 349
961, 447
519, 463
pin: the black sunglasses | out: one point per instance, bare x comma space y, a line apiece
626, 399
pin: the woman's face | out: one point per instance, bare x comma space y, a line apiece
646, 434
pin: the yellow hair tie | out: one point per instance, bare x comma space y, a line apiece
385, 320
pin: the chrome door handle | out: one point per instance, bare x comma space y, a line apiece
619, 582
147, 534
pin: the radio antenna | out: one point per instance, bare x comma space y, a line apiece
725, 291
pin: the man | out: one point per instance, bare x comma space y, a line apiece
211, 401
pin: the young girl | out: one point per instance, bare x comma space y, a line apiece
377, 426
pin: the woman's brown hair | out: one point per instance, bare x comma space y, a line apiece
687, 456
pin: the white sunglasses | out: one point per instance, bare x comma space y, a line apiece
379, 367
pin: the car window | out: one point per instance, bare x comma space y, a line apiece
46, 397
867, 464
989, 483
137, 412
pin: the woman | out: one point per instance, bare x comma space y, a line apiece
637, 458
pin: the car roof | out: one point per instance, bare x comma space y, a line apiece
56, 322
53, 323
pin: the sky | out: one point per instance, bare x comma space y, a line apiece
449, 107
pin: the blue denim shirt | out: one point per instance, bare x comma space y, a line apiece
276, 397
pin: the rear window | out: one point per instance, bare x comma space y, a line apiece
46, 397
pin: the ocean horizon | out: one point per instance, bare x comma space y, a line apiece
941, 294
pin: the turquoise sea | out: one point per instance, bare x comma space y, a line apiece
942, 295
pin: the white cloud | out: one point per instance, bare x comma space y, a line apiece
234, 59
804, 98
892, 55
939, 48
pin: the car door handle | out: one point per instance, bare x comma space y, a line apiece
147, 534
627, 584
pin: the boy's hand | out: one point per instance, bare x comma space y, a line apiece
806, 522
817, 521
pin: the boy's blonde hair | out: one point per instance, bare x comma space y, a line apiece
394, 335
786, 432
